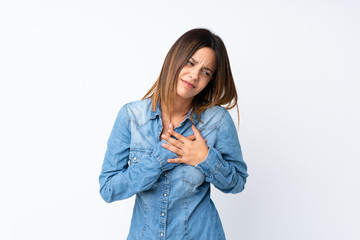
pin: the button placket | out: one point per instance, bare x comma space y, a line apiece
164, 206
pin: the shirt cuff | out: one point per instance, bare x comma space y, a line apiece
212, 162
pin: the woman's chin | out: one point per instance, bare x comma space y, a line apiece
184, 96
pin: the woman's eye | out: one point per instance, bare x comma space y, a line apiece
190, 63
207, 73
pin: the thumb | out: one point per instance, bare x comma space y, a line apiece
196, 132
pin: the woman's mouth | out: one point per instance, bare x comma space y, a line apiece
189, 85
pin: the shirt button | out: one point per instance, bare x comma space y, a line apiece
165, 194
162, 214
134, 158
166, 174
161, 234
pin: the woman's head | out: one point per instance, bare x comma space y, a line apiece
196, 74
210, 53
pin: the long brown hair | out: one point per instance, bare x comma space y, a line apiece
220, 90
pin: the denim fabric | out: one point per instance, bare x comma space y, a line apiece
172, 200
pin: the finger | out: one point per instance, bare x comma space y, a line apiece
177, 135
170, 127
172, 148
172, 141
191, 137
166, 133
196, 132
176, 160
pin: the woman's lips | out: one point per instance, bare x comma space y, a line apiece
188, 84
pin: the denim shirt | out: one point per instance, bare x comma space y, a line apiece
172, 199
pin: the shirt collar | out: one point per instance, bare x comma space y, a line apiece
157, 112
192, 113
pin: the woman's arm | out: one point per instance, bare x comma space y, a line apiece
224, 166
118, 180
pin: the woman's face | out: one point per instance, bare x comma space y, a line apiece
196, 74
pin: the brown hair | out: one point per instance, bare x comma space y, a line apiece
220, 90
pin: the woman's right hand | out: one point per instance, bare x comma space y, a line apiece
191, 137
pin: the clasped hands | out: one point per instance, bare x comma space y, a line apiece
190, 150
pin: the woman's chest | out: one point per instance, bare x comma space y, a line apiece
146, 136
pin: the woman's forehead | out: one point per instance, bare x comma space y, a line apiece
205, 56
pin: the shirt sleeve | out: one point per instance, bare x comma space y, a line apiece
224, 166
119, 180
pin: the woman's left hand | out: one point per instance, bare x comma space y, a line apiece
190, 152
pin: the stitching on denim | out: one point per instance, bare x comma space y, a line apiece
127, 112
216, 138
218, 166
130, 119
135, 152
159, 160
186, 218
145, 220
183, 178
218, 126
141, 150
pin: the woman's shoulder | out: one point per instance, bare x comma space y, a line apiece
215, 110
214, 115
138, 109
139, 104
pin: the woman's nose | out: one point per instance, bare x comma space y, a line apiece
194, 74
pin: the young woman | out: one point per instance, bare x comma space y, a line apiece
169, 146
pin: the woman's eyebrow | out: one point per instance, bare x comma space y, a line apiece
207, 68
194, 60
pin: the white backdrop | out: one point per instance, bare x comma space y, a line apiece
66, 68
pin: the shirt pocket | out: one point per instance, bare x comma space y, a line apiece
191, 175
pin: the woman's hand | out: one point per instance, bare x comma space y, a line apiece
191, 137
190, 151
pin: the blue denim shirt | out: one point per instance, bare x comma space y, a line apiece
172, 200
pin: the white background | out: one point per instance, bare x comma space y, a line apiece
66, 68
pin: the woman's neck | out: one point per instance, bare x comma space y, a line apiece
180, 107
